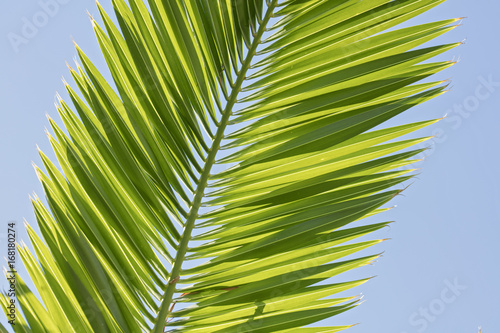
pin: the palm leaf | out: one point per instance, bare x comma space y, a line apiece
290, 96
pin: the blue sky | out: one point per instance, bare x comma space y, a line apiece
438, 272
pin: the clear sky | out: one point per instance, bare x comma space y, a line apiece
439, 272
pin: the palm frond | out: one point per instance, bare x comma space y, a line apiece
291, 96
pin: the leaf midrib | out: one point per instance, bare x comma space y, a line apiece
202, 184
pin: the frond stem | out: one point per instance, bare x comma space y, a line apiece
200, 191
